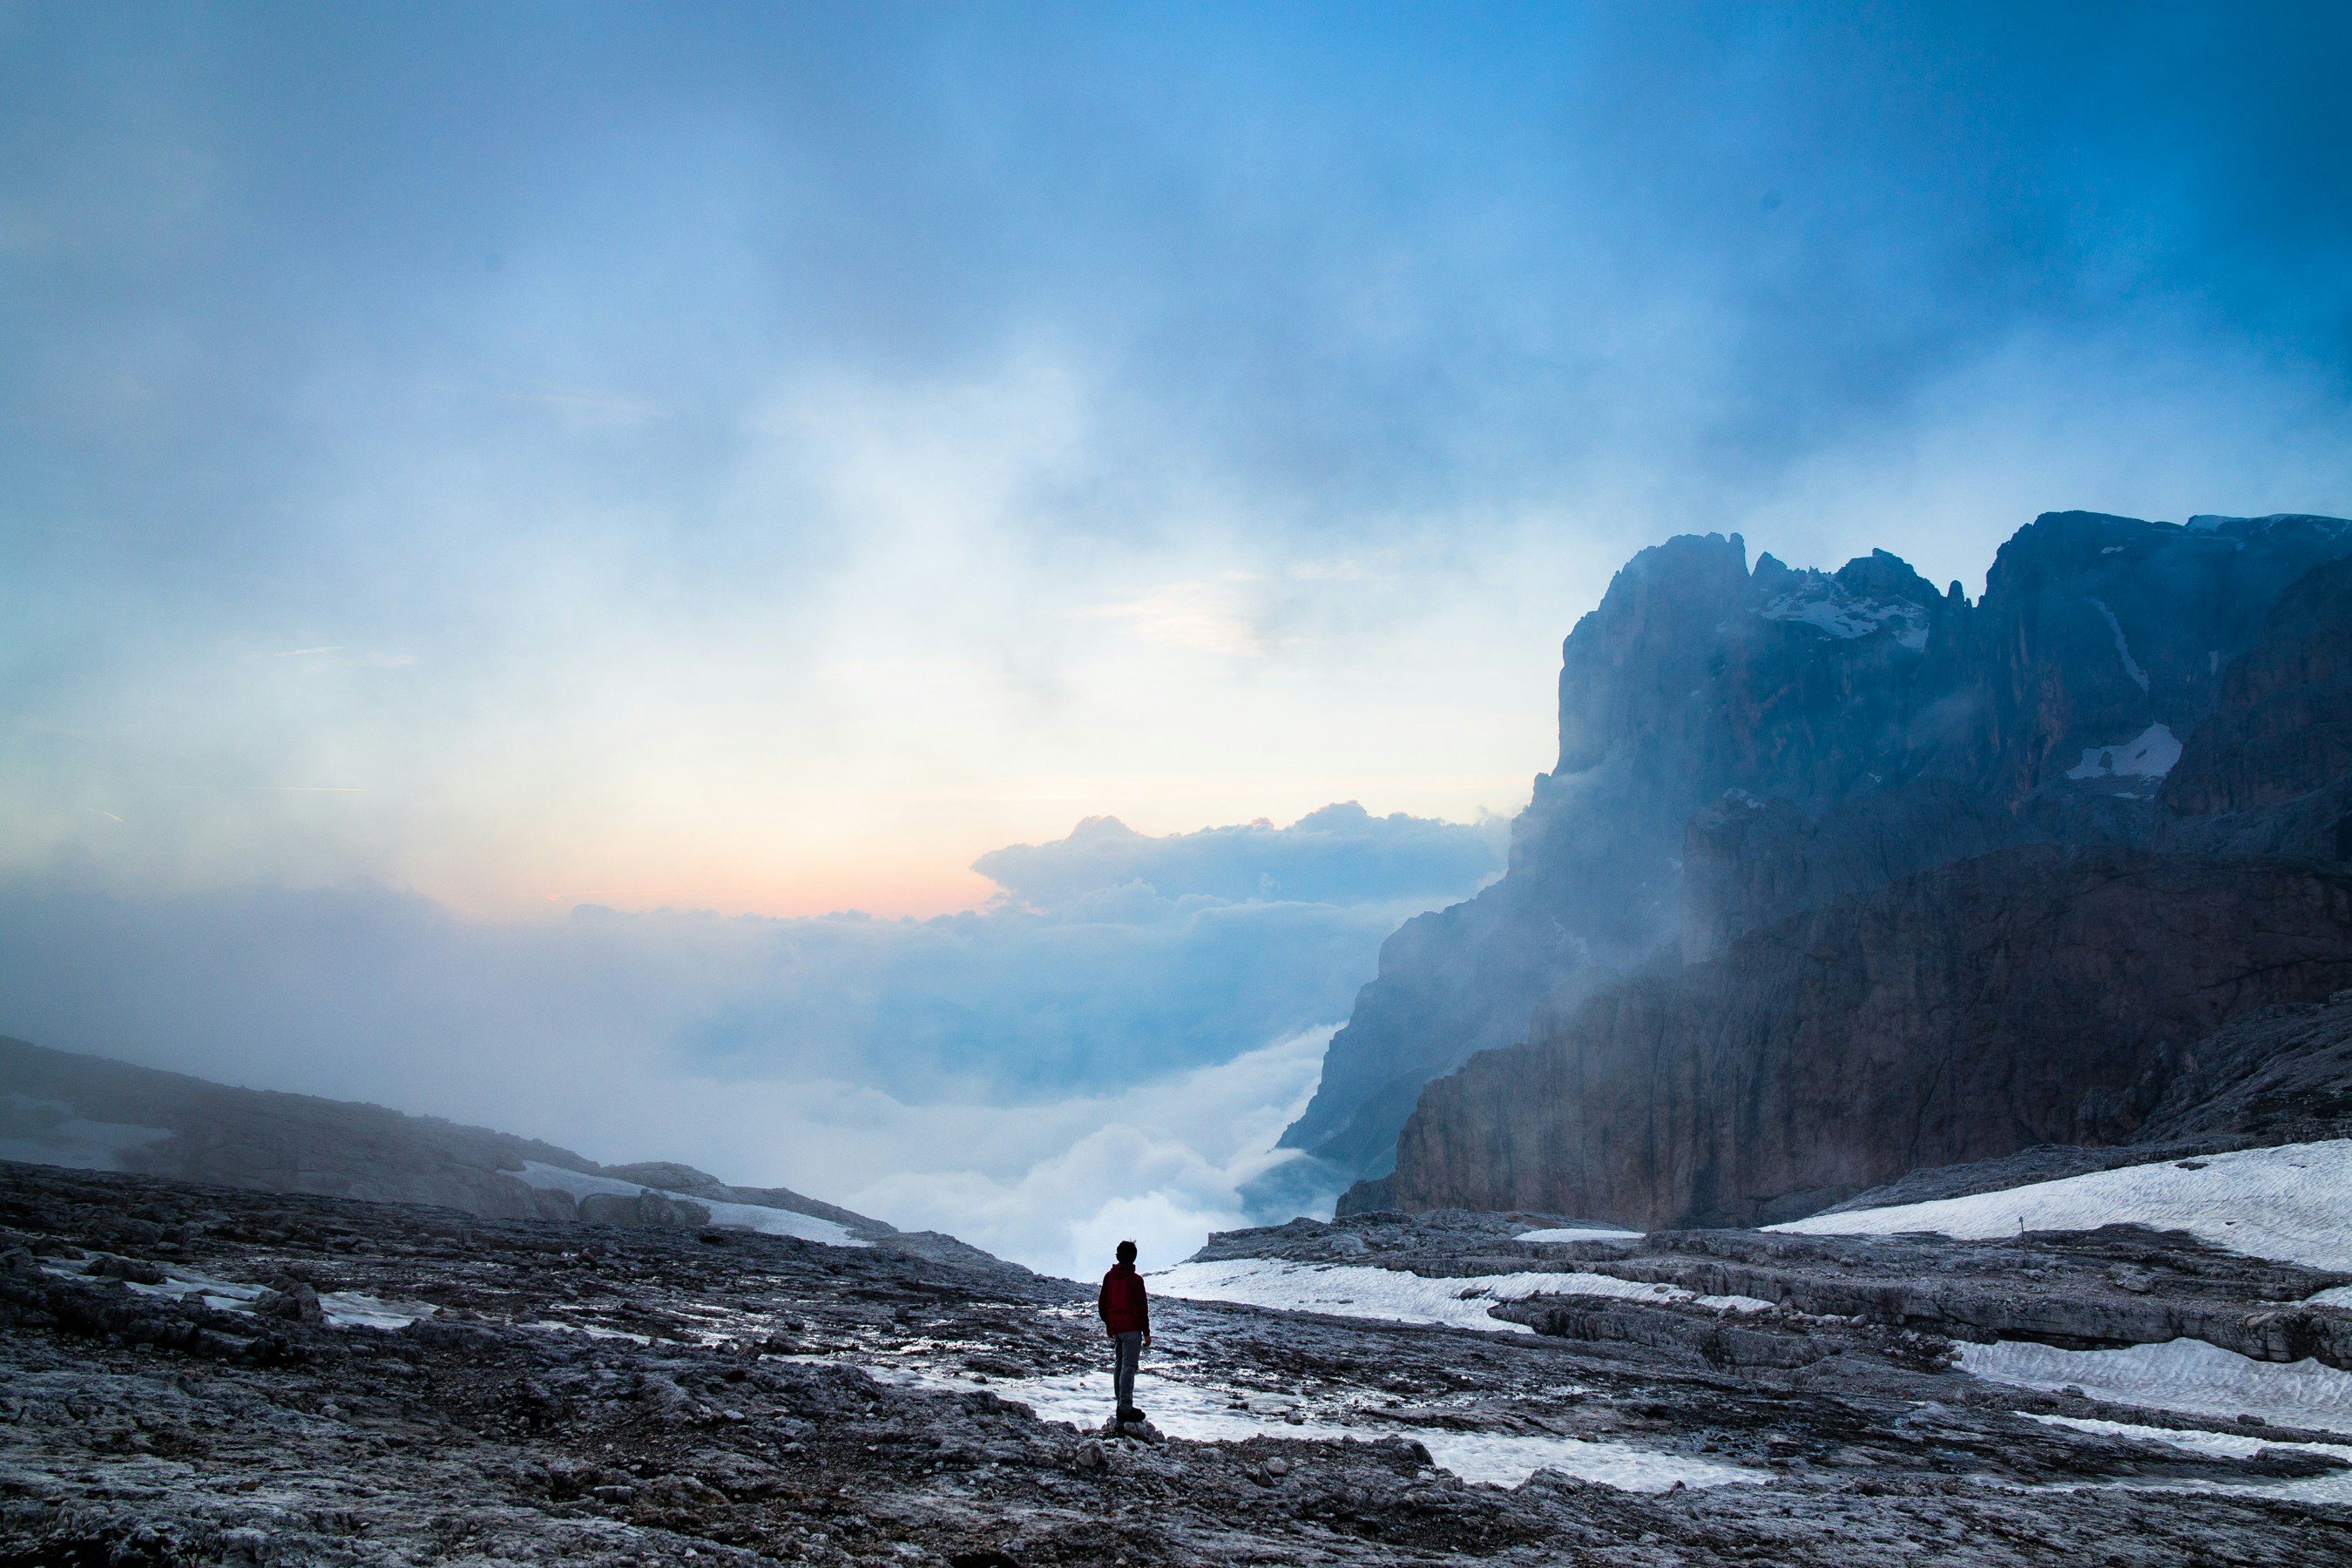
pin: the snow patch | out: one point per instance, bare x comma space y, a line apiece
2335, 1488
352, 1310
342, 1309
1197, 1414
1572, 1234
2212, 1445
2123, 651
739, 1216
2293, 1202
2148, 755
1355, 1291
2187, 1376
1824, 604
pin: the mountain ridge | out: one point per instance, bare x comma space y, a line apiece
1738, 745
96, 1113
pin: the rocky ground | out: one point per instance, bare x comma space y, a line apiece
199, 1375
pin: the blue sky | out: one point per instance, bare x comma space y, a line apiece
765, 459
767, 456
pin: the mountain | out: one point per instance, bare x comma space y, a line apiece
2042, 995
62, 1109
1742, 746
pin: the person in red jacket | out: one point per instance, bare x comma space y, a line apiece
1127, 1316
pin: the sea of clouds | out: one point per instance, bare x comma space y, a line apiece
1110, 1050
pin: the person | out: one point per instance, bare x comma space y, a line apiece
1127, 1317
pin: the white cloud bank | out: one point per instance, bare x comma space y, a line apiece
1041, 1081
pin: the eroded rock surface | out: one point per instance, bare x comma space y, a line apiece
594, 1395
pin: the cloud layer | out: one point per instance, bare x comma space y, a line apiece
1027, 1077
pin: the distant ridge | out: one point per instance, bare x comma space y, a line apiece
59, 1108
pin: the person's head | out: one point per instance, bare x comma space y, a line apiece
1127, 1252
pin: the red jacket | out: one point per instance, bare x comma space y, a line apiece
1121, 1303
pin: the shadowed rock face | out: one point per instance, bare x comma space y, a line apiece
2279, 1074
2283, 726
1871, 728
1693, 676
2042, 995
1748, 862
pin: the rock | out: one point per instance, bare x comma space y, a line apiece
106, 1266
2098, 638
2283, 727
2279, 1074
2037, 995
647, 1207
1748, 863
293, 1302
428, 1462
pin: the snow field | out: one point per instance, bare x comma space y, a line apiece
1572, 1234
2188, 1377
2293, 1203
2212, 1445
1355, 1290
1186, 1410
743, 1216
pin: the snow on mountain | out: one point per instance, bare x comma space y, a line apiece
2148, 755
1823, 602
747, 1217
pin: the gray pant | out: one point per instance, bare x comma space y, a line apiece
1126, 1349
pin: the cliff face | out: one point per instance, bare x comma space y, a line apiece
2040, 995
2283, 727
1737, 745
1749, 863
1693, 676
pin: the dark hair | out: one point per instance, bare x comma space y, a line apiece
1127, 1252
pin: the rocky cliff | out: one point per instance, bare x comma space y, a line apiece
2042, 995
1738, 745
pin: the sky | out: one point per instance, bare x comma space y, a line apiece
507, 461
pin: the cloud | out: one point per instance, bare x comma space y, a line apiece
1339, 855
1162, 1163
1028, 1077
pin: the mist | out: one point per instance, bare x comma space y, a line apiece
1031, 1079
